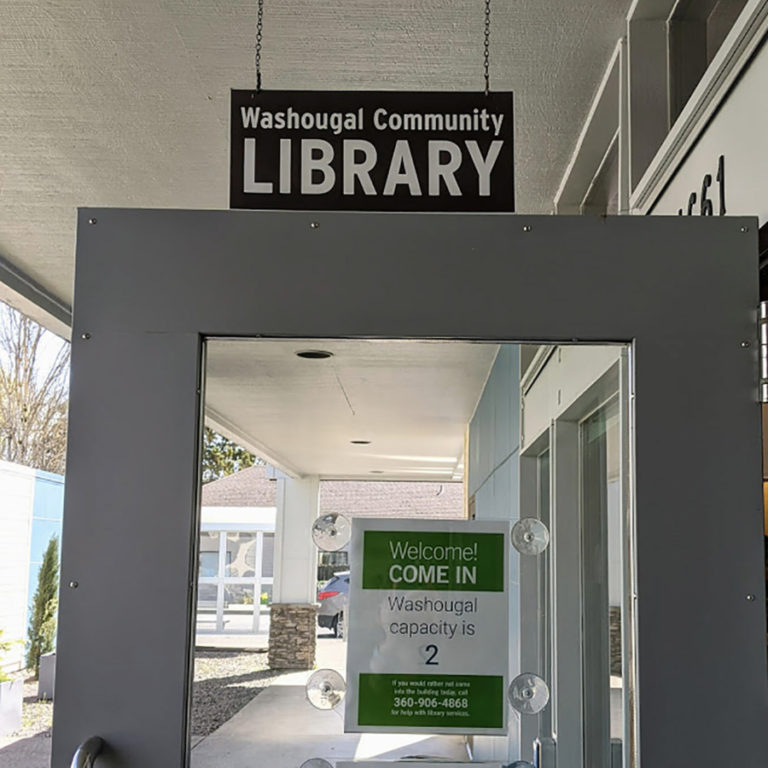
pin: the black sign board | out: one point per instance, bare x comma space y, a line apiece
371, 151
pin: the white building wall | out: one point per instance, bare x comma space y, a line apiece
567, 374
736, 134
238, 518
17, 490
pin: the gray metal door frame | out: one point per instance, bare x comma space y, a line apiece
151, 285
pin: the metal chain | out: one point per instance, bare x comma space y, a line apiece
259, 35
487, 47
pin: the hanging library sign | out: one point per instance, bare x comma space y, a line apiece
371, 151
428, 627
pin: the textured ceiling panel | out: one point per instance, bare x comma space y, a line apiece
409, 401
125, 102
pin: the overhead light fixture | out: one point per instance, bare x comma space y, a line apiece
424, 459
314, 354
360, 442
423, 471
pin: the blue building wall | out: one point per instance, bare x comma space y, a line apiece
494, 440
47, 513
493, 481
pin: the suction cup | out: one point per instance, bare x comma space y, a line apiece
325, 689
315, 762
530, 536
528, 694
331, 532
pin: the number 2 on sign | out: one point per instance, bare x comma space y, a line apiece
432, 650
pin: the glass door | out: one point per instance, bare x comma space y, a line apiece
402, 287
602, 586
418, 440
575, 479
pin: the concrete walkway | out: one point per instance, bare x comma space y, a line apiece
281, 729
29, 752
211, 641
206, 636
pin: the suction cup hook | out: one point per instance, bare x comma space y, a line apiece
325, 689
315, 762
528, 694
530, 536
331, 532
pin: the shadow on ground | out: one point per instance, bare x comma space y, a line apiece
32, 752
215, 700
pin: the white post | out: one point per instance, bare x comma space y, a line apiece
222, 572
295, 552
257, 580
293, 622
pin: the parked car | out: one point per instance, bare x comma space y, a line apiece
333, 597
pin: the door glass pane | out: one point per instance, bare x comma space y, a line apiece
209, 554
425, 439
268, 555
603, 587
239, 607
545, 609
242, 551
206, 608
209, 564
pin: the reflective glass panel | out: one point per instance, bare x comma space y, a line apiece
603, 586
242, 554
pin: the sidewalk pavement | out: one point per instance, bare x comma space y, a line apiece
31, 752
281, 729
210, 641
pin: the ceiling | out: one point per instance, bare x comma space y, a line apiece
125, 103
411, 399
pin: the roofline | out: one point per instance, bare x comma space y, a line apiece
22, 292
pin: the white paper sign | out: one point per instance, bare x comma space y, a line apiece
428, 627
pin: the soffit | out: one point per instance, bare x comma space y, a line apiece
411, 400
119, 103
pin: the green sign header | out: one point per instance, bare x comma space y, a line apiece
426, 560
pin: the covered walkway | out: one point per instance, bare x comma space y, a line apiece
281, 729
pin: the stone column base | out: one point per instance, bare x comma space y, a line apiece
292, 635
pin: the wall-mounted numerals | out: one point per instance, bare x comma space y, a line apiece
707, 194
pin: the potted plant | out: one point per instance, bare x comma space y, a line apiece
11, 695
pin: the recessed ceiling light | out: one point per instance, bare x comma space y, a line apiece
314, 354
360, 442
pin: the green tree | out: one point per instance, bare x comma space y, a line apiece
222, 457
41, 634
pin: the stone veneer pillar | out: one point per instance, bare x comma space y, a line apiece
292, 631
292, 624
